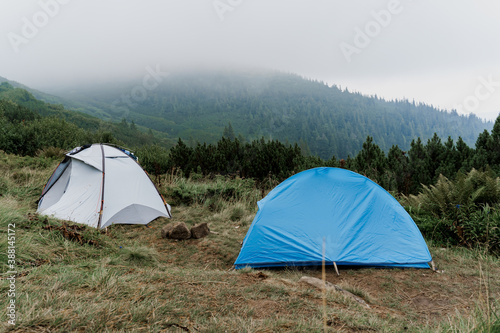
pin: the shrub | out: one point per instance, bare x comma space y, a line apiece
237, 214
464, 211
139, 256
51, 152
211, 193
3, 186
153, 158
482, 229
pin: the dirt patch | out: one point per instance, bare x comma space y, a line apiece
407, 294
391, 291
34, 219
263, 308
71, 232
341, 326
433, 305
404, 296
33, 263
251, 278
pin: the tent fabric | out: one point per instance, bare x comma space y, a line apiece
55, 176
101, 176
358, 222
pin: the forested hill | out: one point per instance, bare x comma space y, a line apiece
36, 94
324, 120
28, 125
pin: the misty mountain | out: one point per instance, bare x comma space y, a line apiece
35, 93
53, 99
20, 105
325, 120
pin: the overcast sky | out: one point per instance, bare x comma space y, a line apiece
441, 52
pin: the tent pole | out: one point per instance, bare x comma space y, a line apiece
102, 194
336, 269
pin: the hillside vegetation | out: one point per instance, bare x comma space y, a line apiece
324, 121
29, 124
129, 279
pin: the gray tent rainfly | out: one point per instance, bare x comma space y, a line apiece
100, 185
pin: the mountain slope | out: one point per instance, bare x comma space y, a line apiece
326, 120
18, 105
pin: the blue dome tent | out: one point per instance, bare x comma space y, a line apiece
358, 221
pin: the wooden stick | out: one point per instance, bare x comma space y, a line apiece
323, 275
433, 266
336, 269
320, 284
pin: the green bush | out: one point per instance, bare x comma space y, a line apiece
52, 152
154, 159
3, 186
465, 211
482, 229
237, 213
435, 229
211, 193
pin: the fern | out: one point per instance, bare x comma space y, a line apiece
468, 208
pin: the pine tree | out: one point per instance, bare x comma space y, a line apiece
449, 160
229, 132
482, 155
419, 169
181, 156
434, 156
464, 155
495, 146
398, 174
371, 160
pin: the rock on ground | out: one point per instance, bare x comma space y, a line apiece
320, 284
177, 230
200, 230
166, 229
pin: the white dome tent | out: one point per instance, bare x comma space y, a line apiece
100, 185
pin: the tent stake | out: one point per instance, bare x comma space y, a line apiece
433, 266
336, 269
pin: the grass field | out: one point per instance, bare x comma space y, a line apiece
129, 279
